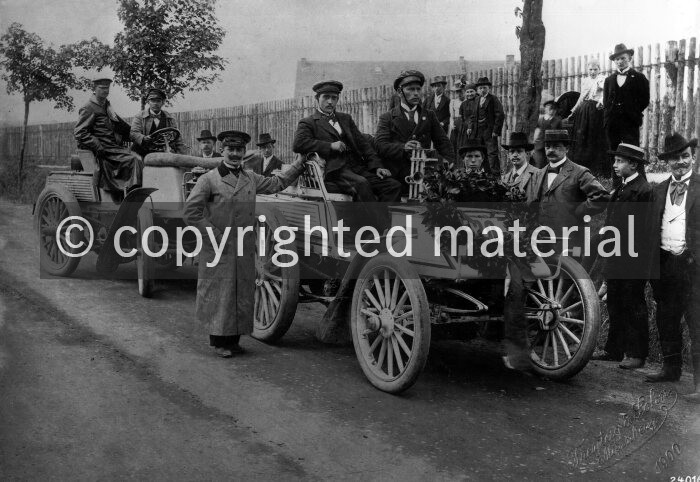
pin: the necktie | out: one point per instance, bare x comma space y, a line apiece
410, 115
514, 177
678, 189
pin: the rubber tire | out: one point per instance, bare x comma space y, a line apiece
289, 298
591, 308
71, 204
145, 265
419, 301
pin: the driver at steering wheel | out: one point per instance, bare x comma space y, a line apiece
150, 120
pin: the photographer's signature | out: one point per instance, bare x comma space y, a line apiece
629, 433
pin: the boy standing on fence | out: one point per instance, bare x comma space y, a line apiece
488, 122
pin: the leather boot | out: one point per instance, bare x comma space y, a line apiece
668, 373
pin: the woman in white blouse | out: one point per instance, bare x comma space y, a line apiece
589, 147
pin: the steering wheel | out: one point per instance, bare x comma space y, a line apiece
162, 138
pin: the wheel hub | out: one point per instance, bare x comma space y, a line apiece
386, 318
259, 281
549, 316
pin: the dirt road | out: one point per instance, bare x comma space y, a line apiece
97, 382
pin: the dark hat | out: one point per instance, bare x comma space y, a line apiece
470, 87
438, 79
409, 77
517, 139
101, 79
619, 50
557, 135
550, 102
472, 145
629, 151
265, 139
675, 143
206, 134
328, 87
233, 138
155, 93
482, 81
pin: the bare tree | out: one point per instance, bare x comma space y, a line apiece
532, 37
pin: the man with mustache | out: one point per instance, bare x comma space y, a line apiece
565, 192
675, 229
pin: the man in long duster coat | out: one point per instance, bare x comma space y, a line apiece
225, 197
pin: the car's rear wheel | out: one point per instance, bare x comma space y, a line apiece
54, 205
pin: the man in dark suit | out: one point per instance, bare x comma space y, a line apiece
487, 122
409, 127
439, 102
266, 162
625, 96
150, 120
207, 144
564, 191
100, 130
675, 229
519, 150
625, 273
352, 166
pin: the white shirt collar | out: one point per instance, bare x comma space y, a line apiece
624, 70
685, 177
323, 113
630, 179
406, 107
520, 171
268, 159
153, 114
559, 163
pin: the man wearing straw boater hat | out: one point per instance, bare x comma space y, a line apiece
488, 122
100, 130
565, 191
675, 229
625, 96
207, 144
266, 162
351, 165
409, 126
625, 273
519, 150
439, 102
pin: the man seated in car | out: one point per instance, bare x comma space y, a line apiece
150, 120
102, 131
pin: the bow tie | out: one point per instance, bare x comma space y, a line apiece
623, 73
330, 117
678, 189
553, 170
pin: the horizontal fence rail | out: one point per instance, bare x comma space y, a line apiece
672, 72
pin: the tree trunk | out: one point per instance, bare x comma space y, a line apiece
532, 36
24, 143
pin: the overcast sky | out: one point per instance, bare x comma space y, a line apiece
265, 38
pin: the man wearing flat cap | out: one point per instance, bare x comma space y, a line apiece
625, 96
207, 144
225, 198
150, 120
100, 130
626, 275
564, 192
519, 150
265, 163
352, 165
675, 234
439, 102
408, 127
487, 122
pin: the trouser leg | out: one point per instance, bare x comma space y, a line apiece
491, 143
671, 298
616, 320
385, 190
636, 320
514, 312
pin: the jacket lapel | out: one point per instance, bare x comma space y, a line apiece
325, 125
402, 123
563, 174
243, 181
226, 175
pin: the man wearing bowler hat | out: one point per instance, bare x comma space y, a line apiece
100, 130
266, 162
487, 122
625, 273
519, 150
150, 120
564, 191
225, 198
675, 230
625, 96
207, 144
352, 166
439, 102
408, 127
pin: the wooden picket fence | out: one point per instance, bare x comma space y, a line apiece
672, 72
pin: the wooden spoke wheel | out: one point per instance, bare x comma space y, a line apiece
390, 323
564, 315
145, 265
55, 204
276, 288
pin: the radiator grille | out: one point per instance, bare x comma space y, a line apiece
78, 183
